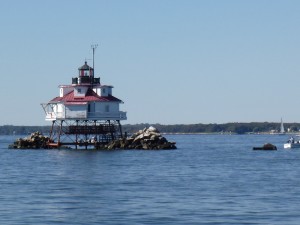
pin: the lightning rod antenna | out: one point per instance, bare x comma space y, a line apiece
94, 48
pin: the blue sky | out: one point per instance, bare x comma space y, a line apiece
170, 61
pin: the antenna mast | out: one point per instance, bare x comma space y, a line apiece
94, 48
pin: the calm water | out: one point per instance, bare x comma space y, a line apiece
209, 179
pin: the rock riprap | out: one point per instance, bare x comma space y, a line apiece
147, 139
35, 141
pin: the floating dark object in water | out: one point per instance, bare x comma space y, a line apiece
267, 146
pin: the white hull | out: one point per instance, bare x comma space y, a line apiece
291, 145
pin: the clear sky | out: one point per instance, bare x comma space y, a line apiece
170, 61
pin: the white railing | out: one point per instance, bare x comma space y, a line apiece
91, 115
54, 116
109, 115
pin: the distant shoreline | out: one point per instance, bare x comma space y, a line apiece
216, 133
256, 128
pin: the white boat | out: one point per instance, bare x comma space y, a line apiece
291, 143
282, 131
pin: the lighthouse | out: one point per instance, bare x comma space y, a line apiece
85, 112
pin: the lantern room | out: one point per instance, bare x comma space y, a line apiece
85, 76
85, 70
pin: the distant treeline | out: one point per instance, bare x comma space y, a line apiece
238, 128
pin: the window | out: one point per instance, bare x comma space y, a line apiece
79, 90
104, 90
106, 108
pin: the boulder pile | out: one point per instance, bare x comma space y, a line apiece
35, 141
147, 139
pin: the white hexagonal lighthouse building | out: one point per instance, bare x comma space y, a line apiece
85, 112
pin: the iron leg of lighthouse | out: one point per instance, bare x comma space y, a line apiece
60, 132
111, 130
87, 131
120, 128
51, 131
76, 136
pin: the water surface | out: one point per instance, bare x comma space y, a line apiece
209, 179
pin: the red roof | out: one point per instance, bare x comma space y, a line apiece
90, 96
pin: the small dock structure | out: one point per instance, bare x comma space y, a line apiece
85, 113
